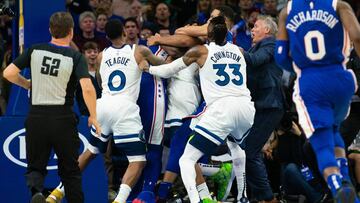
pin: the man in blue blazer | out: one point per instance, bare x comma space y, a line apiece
264, 82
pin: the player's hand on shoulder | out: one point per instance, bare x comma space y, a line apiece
153, 40
144, 65
93, 122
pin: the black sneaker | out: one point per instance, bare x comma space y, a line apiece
38, 198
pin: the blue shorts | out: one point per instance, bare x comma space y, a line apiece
322, 96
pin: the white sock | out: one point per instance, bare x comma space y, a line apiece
208, 169
203, 191
188, 174
123, 194
238, 159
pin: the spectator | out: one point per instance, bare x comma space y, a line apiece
354, 154
87, 26
281, 4
162, 17
132, 32
136, 12
245, 7
203, 12
90, 51
121, 9
4, 84
297, 177
94, 4
270, 8
76, 7
184, 10
350, 127
217, 3
5, 31
101, 20
104, 7
264, 82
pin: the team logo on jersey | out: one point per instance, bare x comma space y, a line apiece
14, 148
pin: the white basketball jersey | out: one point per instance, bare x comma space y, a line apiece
224, 73
183, 95
120, 74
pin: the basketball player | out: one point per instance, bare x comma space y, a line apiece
223, 81
121, 66
316, 33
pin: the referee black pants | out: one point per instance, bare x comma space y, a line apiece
58, 132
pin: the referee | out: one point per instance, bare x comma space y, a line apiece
51, 123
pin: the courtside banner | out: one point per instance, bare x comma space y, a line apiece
13, 165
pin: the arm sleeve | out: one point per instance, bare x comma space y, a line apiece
168, 70
81, 68
23, 61
281, 56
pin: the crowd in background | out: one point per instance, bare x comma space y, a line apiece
285, 152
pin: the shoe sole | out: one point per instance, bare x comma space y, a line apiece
38, 198
346, 195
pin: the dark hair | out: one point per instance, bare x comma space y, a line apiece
61, 24
90, 45
218, 30
132, 19
150, 27
114, 29
227, 12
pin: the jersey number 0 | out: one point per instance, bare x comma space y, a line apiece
111, 83
317, 36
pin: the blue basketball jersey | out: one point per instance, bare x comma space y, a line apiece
152, 102
316, 35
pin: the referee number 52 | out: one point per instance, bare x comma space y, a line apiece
50, 66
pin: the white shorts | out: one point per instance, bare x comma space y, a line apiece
119, 117
227, 116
